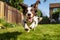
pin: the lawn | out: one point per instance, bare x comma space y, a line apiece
42, 32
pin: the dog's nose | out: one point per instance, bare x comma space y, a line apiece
29, 14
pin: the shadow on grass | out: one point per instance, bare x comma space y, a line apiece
9, 36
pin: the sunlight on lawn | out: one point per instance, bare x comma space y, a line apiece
42, 32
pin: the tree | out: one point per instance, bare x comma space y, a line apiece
14, 3
58, 9
56, 13
39, 13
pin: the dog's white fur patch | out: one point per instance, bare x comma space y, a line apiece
36, 19
29, 11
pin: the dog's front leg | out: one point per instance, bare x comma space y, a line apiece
32, 26
27, 28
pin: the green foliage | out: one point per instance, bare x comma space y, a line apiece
55, 14
45, 20
2, 21
56, 11
6, 24
14, 3
39, 13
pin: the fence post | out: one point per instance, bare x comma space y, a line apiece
1, 10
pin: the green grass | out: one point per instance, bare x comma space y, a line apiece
42, 32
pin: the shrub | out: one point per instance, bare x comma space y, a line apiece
6, 24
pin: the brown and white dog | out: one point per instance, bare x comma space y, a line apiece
29, 18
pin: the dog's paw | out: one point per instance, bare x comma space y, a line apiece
26, 29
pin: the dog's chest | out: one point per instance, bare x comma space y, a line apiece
34, 19
29, 23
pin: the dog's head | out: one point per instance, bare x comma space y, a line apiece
30, 11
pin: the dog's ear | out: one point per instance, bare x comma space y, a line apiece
24, 6
35, 5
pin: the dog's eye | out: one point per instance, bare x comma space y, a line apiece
31, 10
26, 10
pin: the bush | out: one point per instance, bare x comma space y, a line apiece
45, 20
6, 24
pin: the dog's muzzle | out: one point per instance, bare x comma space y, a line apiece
29, 14
29, 19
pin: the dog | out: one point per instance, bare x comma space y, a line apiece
29, 16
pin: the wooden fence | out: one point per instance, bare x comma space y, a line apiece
9, 14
